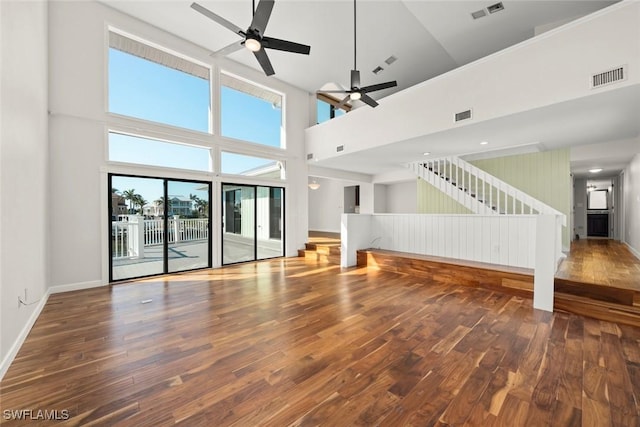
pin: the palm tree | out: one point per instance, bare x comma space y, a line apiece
161, 203
203, 207
129, 196
140, 201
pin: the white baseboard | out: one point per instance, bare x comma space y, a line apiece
633, 251
75, 286
13, 351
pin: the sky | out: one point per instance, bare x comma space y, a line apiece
146, 90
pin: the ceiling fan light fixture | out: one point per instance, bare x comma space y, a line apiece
354, 96
252, 44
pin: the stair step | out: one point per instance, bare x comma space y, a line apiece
315, 256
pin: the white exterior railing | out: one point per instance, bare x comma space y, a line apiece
526, 241
127, 234
478, 191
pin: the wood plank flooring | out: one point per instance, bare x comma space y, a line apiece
295, 342
601, 261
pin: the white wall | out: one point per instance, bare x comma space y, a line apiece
78, 132
379, 198
402, 197
23, 169
580, 208
326, 205
632, 203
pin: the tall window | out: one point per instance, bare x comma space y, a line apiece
250, 113
151, 84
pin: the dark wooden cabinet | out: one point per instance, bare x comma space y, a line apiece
598, 225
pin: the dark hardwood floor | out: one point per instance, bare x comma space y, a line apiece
296, 342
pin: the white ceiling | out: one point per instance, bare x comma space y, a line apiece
428, 38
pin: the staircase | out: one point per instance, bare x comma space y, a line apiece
322, 248
477, 190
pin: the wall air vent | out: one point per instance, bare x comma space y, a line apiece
607, 77
463, 115
495, 7
310, 156
478, 14
340, 148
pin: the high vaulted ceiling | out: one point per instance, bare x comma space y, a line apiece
428, 38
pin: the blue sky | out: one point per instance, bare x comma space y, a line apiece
149, 91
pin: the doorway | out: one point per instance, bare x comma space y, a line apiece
252, 226
157, 226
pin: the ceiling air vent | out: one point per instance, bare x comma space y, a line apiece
310, 156
495, 7
478, 14
377, 69
463, 115
340, 148
607, 77
390, 60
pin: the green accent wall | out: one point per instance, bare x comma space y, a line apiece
544, 176
433, 201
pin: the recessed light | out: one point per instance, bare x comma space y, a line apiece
595, 170
484, 143
426, 153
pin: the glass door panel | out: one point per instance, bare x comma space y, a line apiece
188, 225
269, 208
136, 227
238, 223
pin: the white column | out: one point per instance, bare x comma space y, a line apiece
355, 234
135, 236
545, 264
176, 228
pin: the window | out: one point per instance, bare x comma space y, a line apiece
250, 113
238, 164
326, 109
144, 151
598, 200
150, 84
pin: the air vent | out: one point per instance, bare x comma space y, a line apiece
495, 7
390, 60
310, 156
463, 115
608, 77
377, 70
478, 14
340, 148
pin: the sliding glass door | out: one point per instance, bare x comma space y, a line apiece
252, 223
158, 226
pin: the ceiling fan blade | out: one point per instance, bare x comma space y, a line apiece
263, 59
343, 102
217, 18
379, 86
368, 100
227, 50
261, 16
287, 46
355, 78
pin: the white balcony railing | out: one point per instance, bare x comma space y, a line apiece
129, 239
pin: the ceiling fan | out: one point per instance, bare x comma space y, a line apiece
254, 38
356, 92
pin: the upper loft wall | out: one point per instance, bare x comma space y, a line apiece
551, 68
